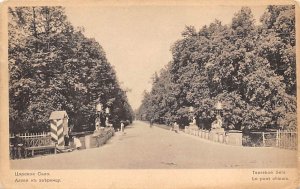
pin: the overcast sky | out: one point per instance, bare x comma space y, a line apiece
137, 39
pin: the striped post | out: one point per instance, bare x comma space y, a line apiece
57, 131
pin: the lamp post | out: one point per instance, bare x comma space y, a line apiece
99, 107
219, 122
191, 110
107, 111
98, 115
219, 107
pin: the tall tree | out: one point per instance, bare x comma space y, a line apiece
249, 68
55, 67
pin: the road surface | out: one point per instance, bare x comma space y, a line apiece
143, 147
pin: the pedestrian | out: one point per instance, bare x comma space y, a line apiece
67, 139
97, 123
176, 127
18, 147
122, 126
107, 124
151, 122
77, 143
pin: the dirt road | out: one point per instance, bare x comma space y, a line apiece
143, 147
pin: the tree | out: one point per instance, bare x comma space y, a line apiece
55, 67
277, 43
249, 68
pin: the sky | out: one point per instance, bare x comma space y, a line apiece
137, 39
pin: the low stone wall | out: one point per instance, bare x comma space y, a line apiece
230, 138
235, 138
96, 139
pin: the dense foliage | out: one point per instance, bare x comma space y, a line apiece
53, 66
249, 68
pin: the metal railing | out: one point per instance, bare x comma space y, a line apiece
287, 139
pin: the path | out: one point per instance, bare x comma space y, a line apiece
143, 147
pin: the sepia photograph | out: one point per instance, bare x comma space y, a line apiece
151, 87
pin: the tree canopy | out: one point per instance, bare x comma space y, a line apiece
53, 66
250, 68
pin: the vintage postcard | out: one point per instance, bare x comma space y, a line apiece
149, 94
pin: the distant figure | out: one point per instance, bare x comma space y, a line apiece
217, 124
97, 124
194, 120
151, 122
18, 147
107, 124
176, 127
122, 126
67, 140
77, 143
